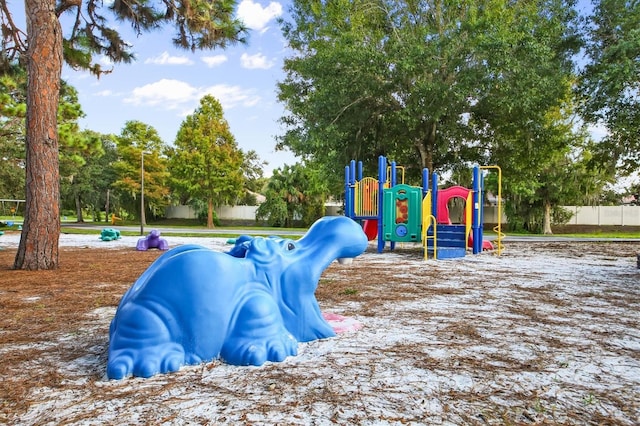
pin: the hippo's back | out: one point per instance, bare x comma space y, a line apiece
186, 297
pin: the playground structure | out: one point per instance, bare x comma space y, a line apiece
392, 211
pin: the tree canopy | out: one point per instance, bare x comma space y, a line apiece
293, 193
207, 162
135, 141
429, 83
611, 80
442, 85
12, 112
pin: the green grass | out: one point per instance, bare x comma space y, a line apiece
188, 225
89, 231
14, 219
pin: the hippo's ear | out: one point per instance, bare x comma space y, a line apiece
241, 247
263, 250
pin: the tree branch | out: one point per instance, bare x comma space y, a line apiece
11, 33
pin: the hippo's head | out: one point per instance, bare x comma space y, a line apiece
293, 269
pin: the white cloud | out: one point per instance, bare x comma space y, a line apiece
255, 16
166, 59
257, 61
169, 94
105, 93
232, 96
175, 94
214, 61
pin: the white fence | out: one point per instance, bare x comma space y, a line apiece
231, 213
582, 215
180, 212
237, 212
605, 215
586, 215
223, 212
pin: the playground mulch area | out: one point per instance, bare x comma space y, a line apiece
547, 333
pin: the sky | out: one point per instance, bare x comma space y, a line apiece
165, 84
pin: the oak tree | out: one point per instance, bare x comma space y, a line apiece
141, 152
611, 80
428, 83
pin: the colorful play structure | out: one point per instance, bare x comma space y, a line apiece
393, 211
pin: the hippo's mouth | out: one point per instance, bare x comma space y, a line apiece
301, 311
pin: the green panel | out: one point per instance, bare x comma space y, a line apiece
402, 213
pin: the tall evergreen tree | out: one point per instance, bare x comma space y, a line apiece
12, 112
90, 179
207, 163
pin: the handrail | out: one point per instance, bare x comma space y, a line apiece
427, 220
498, 228
425, 246
401, 168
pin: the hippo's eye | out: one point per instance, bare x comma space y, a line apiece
291, 246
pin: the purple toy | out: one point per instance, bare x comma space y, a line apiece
152, 240
248, 306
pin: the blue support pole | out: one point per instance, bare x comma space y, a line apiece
382, 168
476, 226
352, 172
348, 204
394, 176
434, 195
425, 182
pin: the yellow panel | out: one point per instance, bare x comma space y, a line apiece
366, 197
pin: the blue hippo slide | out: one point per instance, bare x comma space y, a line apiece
248, 306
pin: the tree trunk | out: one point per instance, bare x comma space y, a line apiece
210, 214
78, 208
38, 247
546, 223
106, 208
425, 148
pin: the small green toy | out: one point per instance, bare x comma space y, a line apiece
109, 234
